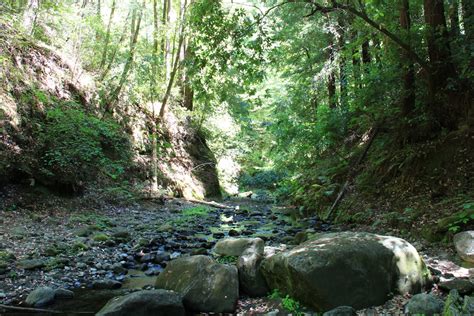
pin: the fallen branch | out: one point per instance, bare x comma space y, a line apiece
4, 308
210, 203
352, 173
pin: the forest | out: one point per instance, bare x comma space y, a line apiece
245, 157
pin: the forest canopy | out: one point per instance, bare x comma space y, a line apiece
309, 98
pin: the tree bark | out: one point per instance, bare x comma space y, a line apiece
453, 19
442, 68
408, 98
331, 84
114, 53
342, 62
468, 19
164, 103
30, 16
366, 59
135, 26
107, 35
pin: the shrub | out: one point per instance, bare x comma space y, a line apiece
267, 179
75, 147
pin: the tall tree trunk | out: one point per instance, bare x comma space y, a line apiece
442, 68
164, 103
166, 43
30, 16
342, 61
188, 90
408, 98
453, 10
114, 52
153, 92
468, 19
99, 9
366, 59
355, 61
107, 35
135, 26
331, 84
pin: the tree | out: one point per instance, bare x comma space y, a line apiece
408, 95
134, 31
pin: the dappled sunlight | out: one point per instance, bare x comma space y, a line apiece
411, 267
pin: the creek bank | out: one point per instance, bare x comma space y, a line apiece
157, 235
73, 247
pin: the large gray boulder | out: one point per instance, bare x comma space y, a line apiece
352, 269
236, 246
464, 244
145, 303
251, 278
206, 285
40, 297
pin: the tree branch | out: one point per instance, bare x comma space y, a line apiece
339, 6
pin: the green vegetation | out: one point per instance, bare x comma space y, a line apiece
100, 237
290, 304
95, 221
462, 218
196, 211
357, 111
227, 259
77, 147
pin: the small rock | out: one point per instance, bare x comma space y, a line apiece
106, 284
236, 246
144, 303
63, 294
464, 243
121, 234
233, 233
148, 257
199, 251
118, 269
424, 304
341, 311
161, 256
31, 264
463, 286
40, 297
468, 306
218, 235
300, 237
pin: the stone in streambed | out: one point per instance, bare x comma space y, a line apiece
463, 286
206, 285
341, 311
236, 246
106, 285
63, 294
424, 304
251, 279
32, 264
145, 303
464, 244
40, 297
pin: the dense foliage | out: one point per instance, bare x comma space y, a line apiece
315, 99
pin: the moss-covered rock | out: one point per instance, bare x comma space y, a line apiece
354, 269
206, 285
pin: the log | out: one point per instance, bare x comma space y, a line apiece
352, 173
211, 203
6, 308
